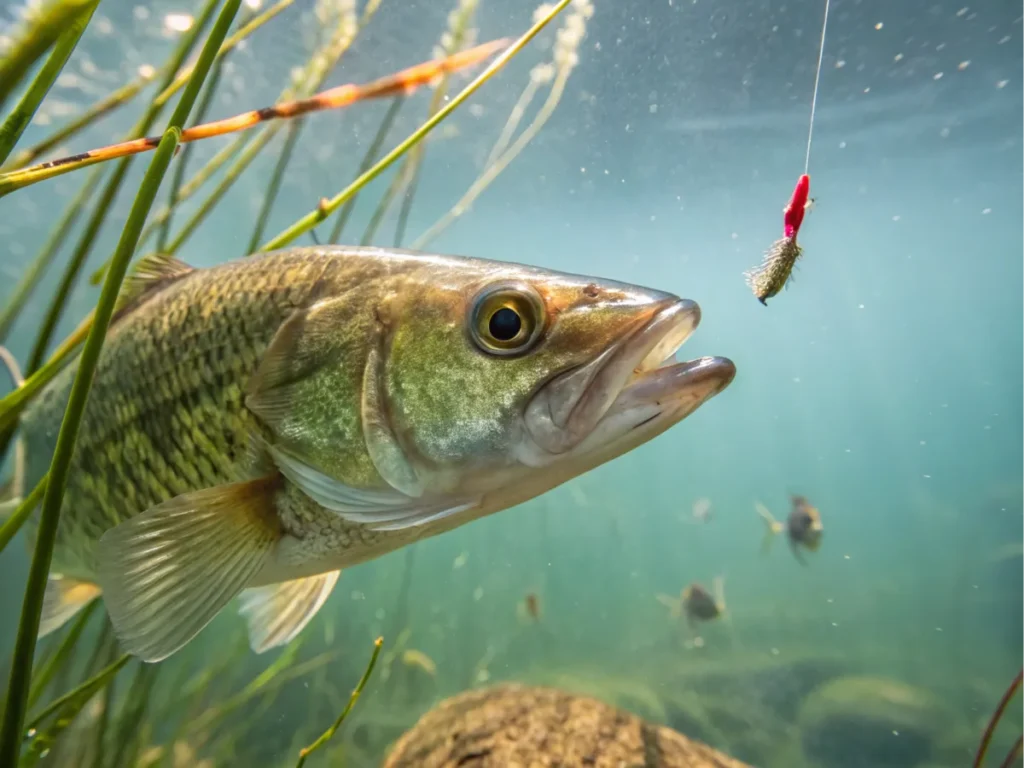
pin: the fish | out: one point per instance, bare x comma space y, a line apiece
700, 513
803, 527
414, 658
696, 603
528, 609
257, 426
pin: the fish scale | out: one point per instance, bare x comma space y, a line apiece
166, 414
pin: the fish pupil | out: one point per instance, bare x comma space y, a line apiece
505, 324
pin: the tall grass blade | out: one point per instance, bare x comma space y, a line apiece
356, 693
42, 28
327, 207
28, 627
22, 115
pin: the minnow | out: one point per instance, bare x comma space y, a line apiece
777, 267
255, 427
697, 603
528, 609
803, 527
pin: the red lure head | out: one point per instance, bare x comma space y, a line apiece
793, 215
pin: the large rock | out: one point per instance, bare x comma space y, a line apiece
870, 722
514, 726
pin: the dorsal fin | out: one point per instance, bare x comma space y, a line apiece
150, 274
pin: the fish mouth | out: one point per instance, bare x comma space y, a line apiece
632, 391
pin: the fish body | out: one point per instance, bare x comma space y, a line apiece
803, 527
257, 426
528, 609
700, 604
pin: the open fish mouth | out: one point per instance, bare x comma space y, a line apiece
635, 386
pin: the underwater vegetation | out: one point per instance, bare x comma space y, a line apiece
94, 711
89, 680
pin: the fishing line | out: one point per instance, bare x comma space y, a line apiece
814, 98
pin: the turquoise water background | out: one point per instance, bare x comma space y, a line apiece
885, 384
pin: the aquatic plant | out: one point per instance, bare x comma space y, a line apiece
990, 729
458, 35
356, 693
556, 73
124, 714
28, 627
21, 116
42, 27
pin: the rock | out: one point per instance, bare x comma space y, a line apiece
870, 722
513, 726
620, 691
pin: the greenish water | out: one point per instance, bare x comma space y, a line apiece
885, 384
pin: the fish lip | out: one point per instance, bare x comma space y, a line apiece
685, 385
566, 410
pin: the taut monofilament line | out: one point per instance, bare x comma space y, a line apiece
814, 97
776, 268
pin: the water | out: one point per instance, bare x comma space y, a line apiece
885, 384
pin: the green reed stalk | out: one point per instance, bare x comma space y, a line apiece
14, 402
189, 188
21, 116
294, 129
327, 207
317, 70
213, 716
495, 168
43, 740
367, 161
107, 104
377, 217
179, 168
104, 721
23, 512
82, 693
42, 30
127, 92
85, 244
28, 628
230, 177
408, 175
61, 656
356, 693
133, 713
32, 276
167, 91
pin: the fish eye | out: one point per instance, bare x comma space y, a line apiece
507, 319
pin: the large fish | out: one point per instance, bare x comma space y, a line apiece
255, 427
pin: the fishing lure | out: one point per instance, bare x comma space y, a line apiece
777, 267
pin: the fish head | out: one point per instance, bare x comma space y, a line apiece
503, 381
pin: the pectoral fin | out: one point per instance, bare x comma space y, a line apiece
64, 597
385, 510
672, 603
772, 527
278, 612
166, 573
